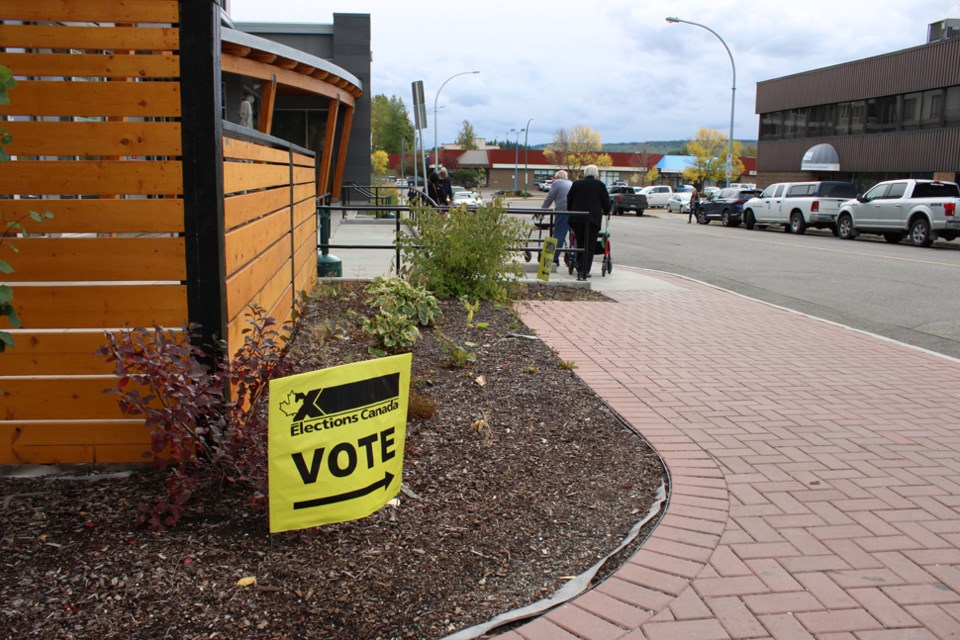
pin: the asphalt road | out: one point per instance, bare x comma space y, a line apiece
899, 291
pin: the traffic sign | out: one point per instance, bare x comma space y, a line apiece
335, 445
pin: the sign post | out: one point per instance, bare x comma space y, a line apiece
335, 445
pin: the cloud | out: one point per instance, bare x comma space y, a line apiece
616, 66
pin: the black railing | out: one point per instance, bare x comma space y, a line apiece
537, 216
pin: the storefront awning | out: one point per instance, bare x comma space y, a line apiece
821, 157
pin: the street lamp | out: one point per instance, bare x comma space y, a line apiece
526, 155
436, 145
516, 157
733, 90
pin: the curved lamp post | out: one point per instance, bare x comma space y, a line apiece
436, 146
516, 158
733, 90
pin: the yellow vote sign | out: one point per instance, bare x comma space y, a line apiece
335, 446
546, 258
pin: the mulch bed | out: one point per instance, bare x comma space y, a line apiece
492, 517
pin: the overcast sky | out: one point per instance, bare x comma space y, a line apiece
615, 66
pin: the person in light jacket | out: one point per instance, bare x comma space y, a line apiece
587, 194
561, 221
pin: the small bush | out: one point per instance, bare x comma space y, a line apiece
394, 295
464, 253
392, 332
199, 437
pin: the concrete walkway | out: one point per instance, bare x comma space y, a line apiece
815, 469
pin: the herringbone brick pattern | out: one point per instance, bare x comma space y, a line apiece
815, 472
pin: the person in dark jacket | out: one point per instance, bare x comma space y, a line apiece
590, 195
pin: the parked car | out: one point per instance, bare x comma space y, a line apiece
923, 209
679, 202
657, 195
709, 191
725, 206
798, 205
626, 199
469, 198
544, 185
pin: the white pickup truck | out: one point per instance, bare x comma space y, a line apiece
923, 209
798, 205
657, 195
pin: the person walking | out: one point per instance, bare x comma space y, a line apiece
694, 204
590, 195
557, 196
446, 188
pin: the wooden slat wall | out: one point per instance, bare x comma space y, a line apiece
96, 141
271, 230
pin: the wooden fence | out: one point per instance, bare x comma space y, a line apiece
152, 222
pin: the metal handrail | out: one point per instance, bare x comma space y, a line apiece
325, 247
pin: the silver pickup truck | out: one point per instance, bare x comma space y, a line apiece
923, 209
798, 205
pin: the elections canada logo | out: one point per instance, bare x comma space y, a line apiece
341, 405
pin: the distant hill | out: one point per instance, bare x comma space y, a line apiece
664, 147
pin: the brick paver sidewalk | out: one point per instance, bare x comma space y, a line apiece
815, 472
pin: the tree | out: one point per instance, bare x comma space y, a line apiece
709, 150
467, 138
390, 124
575, 149
379, 162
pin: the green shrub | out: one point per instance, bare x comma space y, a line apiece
398, 296
393, 332
464, 253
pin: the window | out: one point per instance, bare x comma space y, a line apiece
842, 123
771, 125
896, 190
876, 193
858, 118
951, 107
768, 192
936, 190
932, 109
911, 111
801, 190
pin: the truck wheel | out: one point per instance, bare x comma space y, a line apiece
893, 238
748, 220
845, 227
920, 233
639, 212
797, 224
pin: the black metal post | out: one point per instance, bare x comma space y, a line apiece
202, 159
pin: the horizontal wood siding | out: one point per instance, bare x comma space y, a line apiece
97, 143
270, 221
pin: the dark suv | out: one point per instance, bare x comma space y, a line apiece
725, 206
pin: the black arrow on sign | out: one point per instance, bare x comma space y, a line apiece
350, 495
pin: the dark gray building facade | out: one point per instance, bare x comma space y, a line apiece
890, 116
302, 119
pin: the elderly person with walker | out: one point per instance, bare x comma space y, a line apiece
589, 195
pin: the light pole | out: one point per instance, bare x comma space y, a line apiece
733, 90
516, 158
436, 145
526, 156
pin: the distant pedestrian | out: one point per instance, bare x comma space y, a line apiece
557, 196
446, 188
694, 204
435, 189
590, 195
